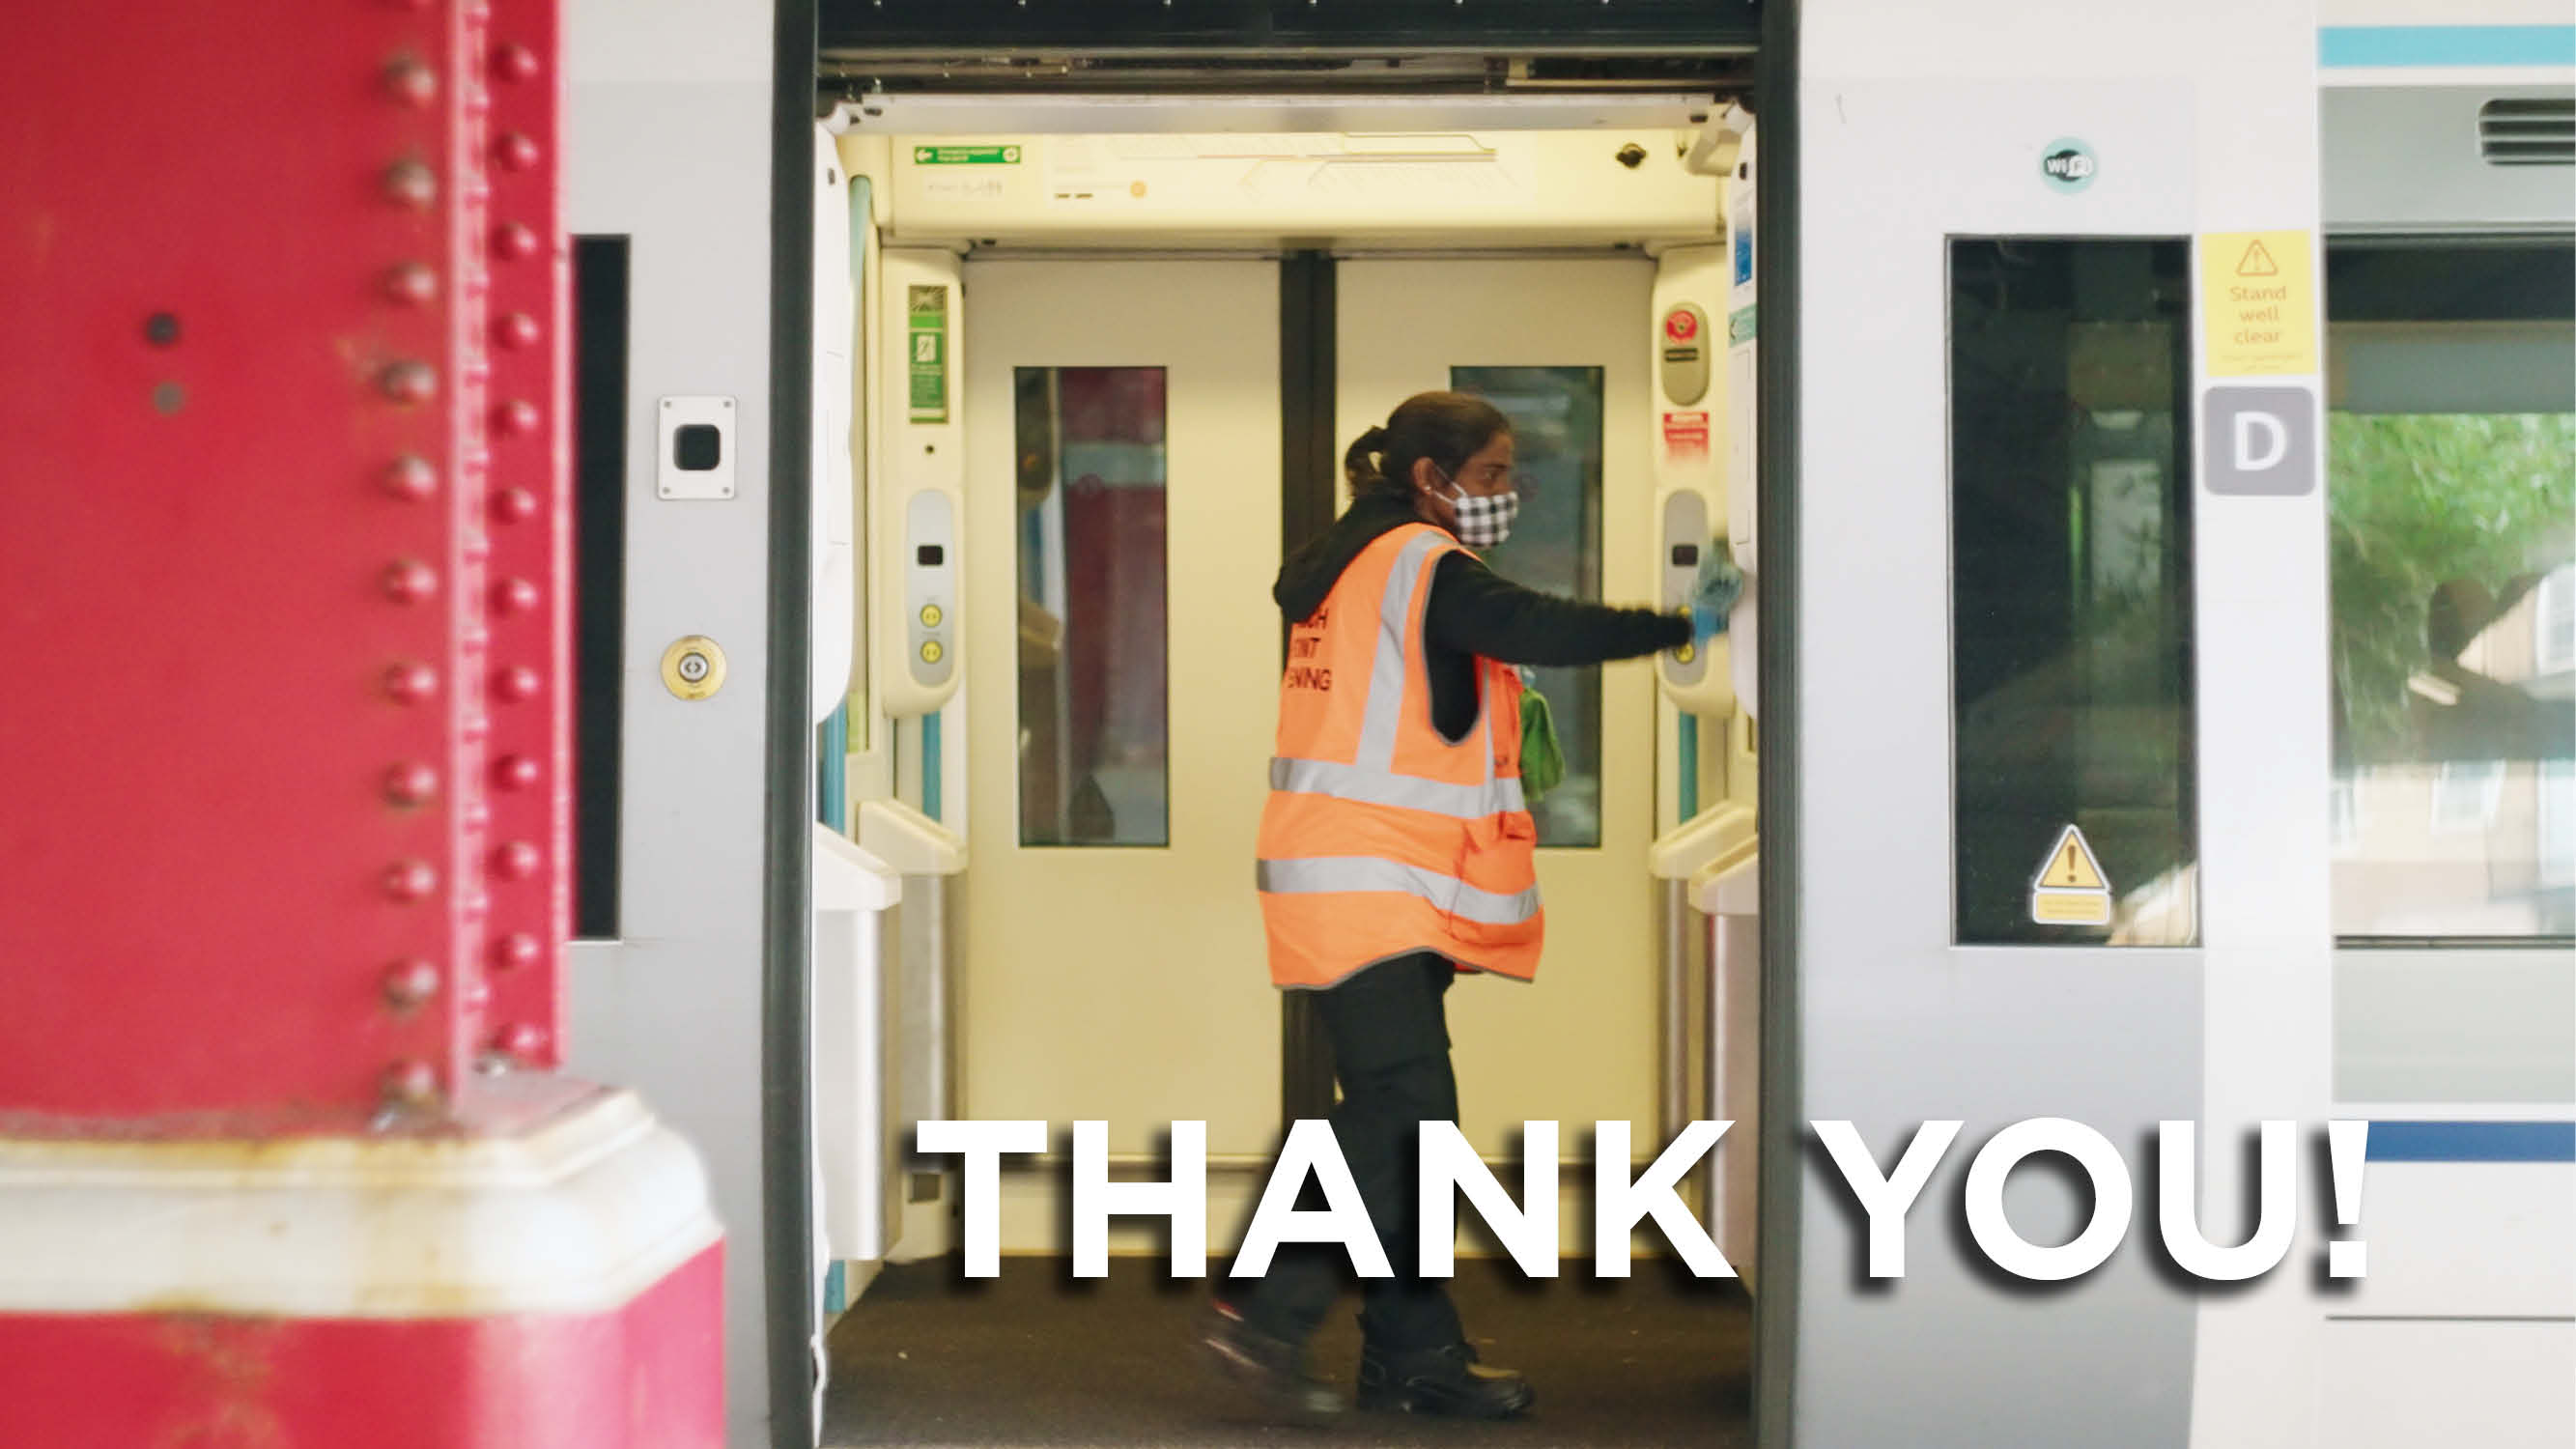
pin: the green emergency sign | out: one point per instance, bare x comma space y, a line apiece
966, 155
928, 353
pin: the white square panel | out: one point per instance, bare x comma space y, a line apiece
694, 439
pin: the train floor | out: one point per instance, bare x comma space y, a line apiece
1034, 1357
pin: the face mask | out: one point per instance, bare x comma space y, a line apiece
1484, 519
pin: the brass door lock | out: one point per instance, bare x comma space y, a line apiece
693, 667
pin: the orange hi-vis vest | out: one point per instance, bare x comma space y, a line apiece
1382, 838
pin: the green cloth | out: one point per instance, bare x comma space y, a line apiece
1542, 759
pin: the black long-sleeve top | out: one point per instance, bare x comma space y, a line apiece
1474, 612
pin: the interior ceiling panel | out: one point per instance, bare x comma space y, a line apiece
855, 72
955, 111
1276, 32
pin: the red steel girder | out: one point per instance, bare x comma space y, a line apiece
283, 559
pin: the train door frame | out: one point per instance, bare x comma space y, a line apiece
788, 1266
1780, 1177
788, 1223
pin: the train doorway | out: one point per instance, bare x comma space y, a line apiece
1146, 414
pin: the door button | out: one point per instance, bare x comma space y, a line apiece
930, 616
931, 652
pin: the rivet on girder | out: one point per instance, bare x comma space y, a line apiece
517, 329
411, 683
517, 151
409, 581
517, 416
409, 382
520, 1039
409, 983
412, 184
412, 283
411, 783
412, 477
514, 505
515, 596
516, 950
410, 880
515, 240
515, 62
412, 81
410, 1084
517, 682
517, 860
517, 772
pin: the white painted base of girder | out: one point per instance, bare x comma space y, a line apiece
578, 1212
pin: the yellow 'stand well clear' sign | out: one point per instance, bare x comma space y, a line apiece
2258, 304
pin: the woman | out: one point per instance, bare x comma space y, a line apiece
1397, 852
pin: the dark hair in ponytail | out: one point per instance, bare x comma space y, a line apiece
1446, 427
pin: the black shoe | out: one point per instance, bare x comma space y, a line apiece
1272, 1368
1441, 1381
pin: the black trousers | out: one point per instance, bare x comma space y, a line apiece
1390, 1034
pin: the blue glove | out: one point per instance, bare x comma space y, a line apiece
1713, 595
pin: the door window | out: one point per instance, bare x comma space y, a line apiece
1556, 547
2451, 490
2071, 609
1095, 723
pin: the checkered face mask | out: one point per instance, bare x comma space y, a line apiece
1485, 519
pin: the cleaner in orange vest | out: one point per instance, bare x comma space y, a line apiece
1397, 852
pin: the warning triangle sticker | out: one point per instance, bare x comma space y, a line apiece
2071, 866
2257, 263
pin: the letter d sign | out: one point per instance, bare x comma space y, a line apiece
2259, 440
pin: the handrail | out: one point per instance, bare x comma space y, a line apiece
909, 841
857, 1156
1688, 848
849, 877
1716, 838
1730, 885
931, 857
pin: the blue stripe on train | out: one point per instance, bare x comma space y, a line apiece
2445, 45
2472, 1142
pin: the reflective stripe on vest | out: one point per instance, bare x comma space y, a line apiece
1370, 777
1326, 875
1379, 787
1386, 672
